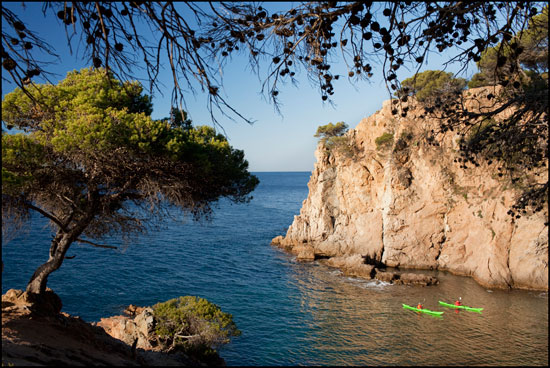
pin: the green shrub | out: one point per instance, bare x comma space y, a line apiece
331, 130
480, 80
336, 142
479, 132
333, 137
344, 145
384, 140
193, 325
431, 84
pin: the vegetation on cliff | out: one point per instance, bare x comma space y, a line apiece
193, 325
331, 130
529, 50
122, 340
515, 76
384, 140
95, 164
431, 84
334, 138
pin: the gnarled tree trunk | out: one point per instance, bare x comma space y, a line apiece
58, 249
63, 239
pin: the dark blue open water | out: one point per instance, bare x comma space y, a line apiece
289, 313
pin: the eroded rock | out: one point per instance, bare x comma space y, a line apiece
417, 279
412, 206
134, 328
355, 266
352, 266
48, 304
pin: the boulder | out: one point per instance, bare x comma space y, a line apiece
134, 329
364, 271
387, 276
417, 279
353, 265
277, 240
305, 254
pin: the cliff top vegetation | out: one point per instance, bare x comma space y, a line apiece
331, 130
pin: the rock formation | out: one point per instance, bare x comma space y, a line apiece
404, 203
37, 336
134, 328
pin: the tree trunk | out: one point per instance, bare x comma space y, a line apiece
60, 245
58, 249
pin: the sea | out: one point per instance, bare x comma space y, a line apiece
289, 313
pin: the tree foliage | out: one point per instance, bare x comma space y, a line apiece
384, 141
193, 325
178, 118
95, 164
529, 49
331, 130
429, 85
333, 138
515, 76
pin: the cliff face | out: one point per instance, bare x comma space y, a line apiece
409, 205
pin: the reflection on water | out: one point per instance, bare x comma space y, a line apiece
358, 322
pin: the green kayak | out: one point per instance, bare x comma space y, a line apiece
461, 307
433, 313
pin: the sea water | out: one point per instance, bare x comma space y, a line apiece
290, 313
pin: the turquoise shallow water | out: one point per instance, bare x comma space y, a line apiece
289, 313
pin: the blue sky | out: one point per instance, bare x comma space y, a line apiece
274, 142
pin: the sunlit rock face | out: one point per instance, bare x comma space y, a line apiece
409, 205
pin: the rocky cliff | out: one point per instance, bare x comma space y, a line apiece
404, 203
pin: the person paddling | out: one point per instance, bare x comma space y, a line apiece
419, 306
458, 303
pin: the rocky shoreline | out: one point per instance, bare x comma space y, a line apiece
358, 266
51, 337
402, 203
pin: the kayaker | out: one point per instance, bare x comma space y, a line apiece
419, 306
459, 301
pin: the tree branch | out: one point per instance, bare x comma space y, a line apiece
46, 214
95, 244
186, 336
